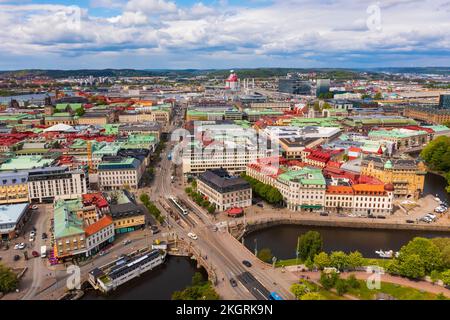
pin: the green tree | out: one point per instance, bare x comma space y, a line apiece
339, 260
341, 287
355, 260
299, 289
8, 280
145, 199
328, 279
265, 255
412, 267
445, 277
322, 260
197, 279
188, 190
212, 208
312, 296
428, 254
444, 246
309, 245
353, 282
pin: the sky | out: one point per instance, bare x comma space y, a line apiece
170, 34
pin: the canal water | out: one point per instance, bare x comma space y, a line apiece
159, 284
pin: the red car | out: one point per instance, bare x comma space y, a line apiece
35, 254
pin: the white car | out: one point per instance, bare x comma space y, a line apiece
32, 234
19, 246
192, 235
35, 207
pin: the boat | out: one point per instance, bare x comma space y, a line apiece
386, 254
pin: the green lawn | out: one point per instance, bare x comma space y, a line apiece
367, 262
397, 291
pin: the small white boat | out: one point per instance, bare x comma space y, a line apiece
385, 254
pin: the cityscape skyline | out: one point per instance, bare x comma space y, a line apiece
222, 34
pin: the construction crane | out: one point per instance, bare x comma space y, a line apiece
89, 154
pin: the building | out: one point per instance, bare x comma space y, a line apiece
323, 86
276, 106
360, 199
13, 188
12, 219
402, 138
126, 213
294, 86
407, 176
232, 83
99, 234
428, 115
153, 128
316, 158
444, 101
54, 183
224, 190
116, 172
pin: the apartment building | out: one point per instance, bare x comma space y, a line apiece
223, 190
407, 176
116, 172
127, 214
13, 187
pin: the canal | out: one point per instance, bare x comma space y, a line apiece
282, 240
159, 284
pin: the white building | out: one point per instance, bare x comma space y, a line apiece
99, 234
54, 183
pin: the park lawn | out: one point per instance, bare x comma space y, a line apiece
330, 295
396, 291
367, 262
287, 262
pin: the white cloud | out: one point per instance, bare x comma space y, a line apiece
151, 6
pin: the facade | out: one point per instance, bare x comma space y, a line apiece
126, 213
293, 147
402, 138
116, 172
407, 176
323, 86
224, 191
99, 234
276, 106
53, 183
294, 86
12, 219
429, 115
444, 101
13, 188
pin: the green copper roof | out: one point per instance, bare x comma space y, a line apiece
66, 222
306, 176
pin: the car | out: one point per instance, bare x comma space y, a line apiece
215, 228
431, 216
260, 205
381, 217
32, 233
154, 227
425, 219
409, 221
233, 283
247, 263
155, 231
35, 254
192, 235
324, 214
103, 252
20, 246
125, 242
31, 239
16, 257
44, 236
34, 207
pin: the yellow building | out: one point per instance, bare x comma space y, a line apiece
13, 188
407, 176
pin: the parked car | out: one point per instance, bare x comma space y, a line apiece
233, 283
409, 221
247, 263
260, 205
125, 242
192, 235
34, 207
35, 254
155, 231
16, 257
324, 214
31, 239
44, 236
32, 233
381, 217
20, 246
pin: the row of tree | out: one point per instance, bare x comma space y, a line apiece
437, 156
264, 191
199, 199
152, 209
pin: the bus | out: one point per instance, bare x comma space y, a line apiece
178, 206
274, 296
43, 251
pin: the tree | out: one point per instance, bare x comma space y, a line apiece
212, 208
341, 287
8, 280
312, 296
145, 199
355, 260
197, 279
80, 112
445, 277
309, 245
328, 280
444, 246
299, 289
339, 260
378, 96
429, 255
265, 255
188, 190
322, 260
412, 267
353, 282
437, 154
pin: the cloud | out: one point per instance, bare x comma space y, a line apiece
261, 32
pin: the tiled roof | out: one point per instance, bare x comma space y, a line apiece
103, 223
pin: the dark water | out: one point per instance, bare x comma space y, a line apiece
435, 184
282, 240
159, 284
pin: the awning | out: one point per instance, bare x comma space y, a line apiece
309, 206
